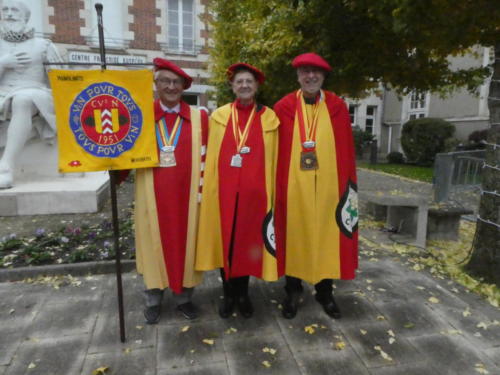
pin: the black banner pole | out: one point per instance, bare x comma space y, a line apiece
113, 182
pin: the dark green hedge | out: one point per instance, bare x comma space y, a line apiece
423, 138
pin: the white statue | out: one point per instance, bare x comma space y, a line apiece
24, 87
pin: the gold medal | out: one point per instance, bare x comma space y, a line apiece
308, 160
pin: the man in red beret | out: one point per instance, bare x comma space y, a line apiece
316, 195
166, 200
236, 233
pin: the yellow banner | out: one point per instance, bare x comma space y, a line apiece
104, 119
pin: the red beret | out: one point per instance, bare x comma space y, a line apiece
258, 74
311, 59
160, 64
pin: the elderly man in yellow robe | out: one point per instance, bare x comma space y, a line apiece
316, 195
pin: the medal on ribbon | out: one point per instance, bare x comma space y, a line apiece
307, 130
239, 136
168, 142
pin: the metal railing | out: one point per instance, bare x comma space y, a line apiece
461, 168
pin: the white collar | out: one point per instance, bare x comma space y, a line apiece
176, 109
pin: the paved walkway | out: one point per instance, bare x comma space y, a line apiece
390, 325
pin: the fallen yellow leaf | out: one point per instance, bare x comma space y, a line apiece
185, 329
31, 365
479, 367
339, 345
384, 355
100, 370
466, 312
433, 300
208, 341
363, 332
269, 350
482, 325
266, 364
311, 328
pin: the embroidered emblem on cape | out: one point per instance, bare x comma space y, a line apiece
105, 120
347, 210
268, 233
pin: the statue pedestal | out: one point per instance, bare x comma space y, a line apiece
39, 188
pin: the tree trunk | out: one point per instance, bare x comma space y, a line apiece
485, 258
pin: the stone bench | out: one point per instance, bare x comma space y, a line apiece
405, 212
444, 221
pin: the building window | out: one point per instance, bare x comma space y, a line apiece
353, 112
180, 25
418, 105
371, 113
113, 28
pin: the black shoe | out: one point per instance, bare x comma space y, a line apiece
188, 310
226, 307
290, 306
245, 306
329, 305
152, 314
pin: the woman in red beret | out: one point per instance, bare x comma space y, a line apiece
236, 232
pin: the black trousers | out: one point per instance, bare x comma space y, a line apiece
293, 285
236, 286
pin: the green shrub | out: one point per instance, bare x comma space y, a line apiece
362, 139
395, 157
423, 138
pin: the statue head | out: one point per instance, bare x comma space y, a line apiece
14, 15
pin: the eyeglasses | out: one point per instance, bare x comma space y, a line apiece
168, 82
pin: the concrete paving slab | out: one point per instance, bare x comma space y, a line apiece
411, 317
10, 340
323, 329
133, 362
263, 322
59, 319
247, 356
3, 369
451, 355
177, 348
331, 362
356, 308
420, 368
476, 327
374, 340
106, 333
19, 303
494, 355
52, 356
216, 368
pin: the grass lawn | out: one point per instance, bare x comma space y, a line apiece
404, 170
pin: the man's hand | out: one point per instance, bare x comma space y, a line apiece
15, 60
